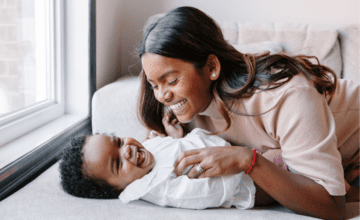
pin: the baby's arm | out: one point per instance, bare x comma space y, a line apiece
172, 127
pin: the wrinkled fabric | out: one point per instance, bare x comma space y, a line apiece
162, 187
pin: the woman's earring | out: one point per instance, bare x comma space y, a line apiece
213, 75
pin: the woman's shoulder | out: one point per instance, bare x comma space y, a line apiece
297, 81
264, 100
345, 97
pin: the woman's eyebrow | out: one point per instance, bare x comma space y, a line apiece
163, 76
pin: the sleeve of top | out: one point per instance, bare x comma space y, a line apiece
304, 126
183, 192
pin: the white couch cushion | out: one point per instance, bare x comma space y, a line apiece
114, 109
350, 49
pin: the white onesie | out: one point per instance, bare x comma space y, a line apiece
163, 188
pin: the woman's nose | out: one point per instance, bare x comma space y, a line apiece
164, 96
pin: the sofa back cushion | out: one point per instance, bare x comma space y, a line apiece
296, 39
349, 41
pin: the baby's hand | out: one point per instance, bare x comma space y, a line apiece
153, 134
173, 128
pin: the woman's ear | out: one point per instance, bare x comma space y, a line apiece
214, 67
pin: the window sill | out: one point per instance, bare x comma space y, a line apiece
25, 158
16, 149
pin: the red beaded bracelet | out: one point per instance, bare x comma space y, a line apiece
252, 163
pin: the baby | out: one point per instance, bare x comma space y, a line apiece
101, 166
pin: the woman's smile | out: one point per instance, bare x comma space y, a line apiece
178, 107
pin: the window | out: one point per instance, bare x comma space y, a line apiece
47, 125
30, 85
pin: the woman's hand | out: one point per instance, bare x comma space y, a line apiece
173, 128
215, 161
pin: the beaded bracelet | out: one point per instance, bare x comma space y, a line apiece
252, 163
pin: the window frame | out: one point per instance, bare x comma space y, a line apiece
19, 122
26, 168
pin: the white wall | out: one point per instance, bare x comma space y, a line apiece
120, 23
333, 12
108, 41
119, 26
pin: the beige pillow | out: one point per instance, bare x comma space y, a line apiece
350, 49
273, 47
306, 39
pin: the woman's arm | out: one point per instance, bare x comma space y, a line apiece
298, 193
304, 128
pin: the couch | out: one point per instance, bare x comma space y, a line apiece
114, 111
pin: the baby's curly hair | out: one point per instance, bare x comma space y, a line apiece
75, 180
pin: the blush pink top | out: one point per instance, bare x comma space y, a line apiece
318, 135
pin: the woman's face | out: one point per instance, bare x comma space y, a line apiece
178, 85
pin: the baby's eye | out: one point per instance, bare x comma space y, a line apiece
119, 142
118, 163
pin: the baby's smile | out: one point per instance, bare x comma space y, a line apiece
140, 155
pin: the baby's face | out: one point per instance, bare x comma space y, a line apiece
118, 161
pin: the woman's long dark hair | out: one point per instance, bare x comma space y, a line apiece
188, 34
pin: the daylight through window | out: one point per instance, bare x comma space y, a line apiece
25, 55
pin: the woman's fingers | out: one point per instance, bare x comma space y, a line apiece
206, 169
185, 159
214, 161
211, 172
185, 154
196, 170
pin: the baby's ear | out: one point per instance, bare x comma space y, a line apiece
118, 192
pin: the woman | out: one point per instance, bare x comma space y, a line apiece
254, 102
